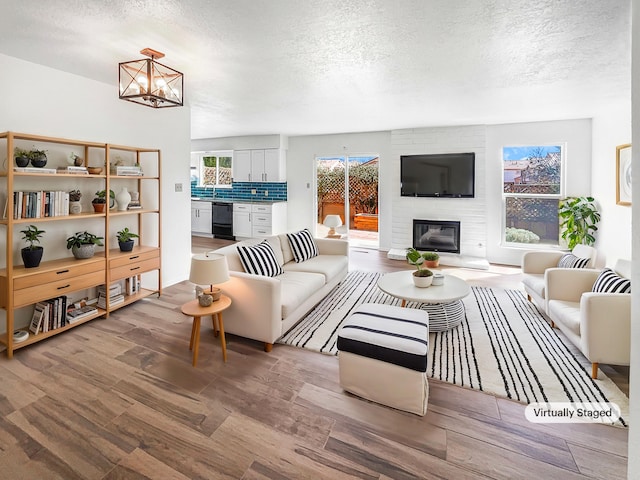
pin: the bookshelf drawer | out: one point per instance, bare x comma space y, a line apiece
133, 257
36, 293
135, 268
62, 274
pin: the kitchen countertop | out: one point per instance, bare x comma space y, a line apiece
234, 200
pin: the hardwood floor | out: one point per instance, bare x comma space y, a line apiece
117, 398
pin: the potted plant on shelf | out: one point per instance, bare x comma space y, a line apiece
422, 277
83, 244
74, 202
21, 156
125, 239
38, 158
100, 201
431, 259
32, 254
579, 218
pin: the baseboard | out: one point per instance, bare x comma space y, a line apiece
448, 259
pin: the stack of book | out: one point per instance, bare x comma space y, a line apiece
127, 170
74, 170
115, 295
79, 313
49, 315
49, 171
132, 285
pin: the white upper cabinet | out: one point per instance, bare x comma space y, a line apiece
267, 165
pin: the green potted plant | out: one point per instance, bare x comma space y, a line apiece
83, 244
21, 156
100, 201
38, 158
579, 217
422, 277
431, 259
125, 239
32, 254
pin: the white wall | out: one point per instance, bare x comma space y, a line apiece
43, 101
239, 143
575, 134
633, 465
610, 129
470, 212
301, 173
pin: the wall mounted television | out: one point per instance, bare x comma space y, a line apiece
448, 175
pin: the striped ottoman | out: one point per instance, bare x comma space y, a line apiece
383, 356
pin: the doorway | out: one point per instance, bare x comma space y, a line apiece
353, 177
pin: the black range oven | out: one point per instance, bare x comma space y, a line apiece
222, 220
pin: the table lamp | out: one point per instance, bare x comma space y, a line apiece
209, 268
332, 221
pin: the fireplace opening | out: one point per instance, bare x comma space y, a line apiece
436, 235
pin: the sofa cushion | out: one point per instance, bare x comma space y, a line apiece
296, 288
303, 245
328, 265
569, 260
567, 314
259, 259
535, 282
610, 282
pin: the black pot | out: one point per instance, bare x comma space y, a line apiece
31, 256
40, 161
22, 161
126, 246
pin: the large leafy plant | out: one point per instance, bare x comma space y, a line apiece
579, 217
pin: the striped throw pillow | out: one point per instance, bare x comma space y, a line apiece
303, 245
610, 282
569, 260
259, 259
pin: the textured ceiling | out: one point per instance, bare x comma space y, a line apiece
321, 66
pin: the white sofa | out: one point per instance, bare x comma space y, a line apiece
599, 324
265, 308
535, 263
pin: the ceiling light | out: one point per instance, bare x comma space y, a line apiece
150, 83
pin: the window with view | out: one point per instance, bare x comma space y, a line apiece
532, 180
212, 169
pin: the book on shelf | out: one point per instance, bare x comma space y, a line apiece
113, 301
76, 314
40, 204
74, 170
132, 285
134, 207
114, 289
47, 171
128, 170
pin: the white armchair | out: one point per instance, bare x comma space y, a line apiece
599, 324
535, 263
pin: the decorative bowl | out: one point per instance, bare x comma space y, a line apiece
94, 170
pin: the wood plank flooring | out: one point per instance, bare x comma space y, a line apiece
117, 398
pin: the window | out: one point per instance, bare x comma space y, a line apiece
211, 169
532, 188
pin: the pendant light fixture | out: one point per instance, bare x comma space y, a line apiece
150, 83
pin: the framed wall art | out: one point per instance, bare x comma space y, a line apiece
623, 174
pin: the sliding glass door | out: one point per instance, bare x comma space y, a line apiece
354, 178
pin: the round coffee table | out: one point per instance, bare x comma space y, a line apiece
442, 302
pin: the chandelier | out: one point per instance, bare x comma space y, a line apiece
150, 83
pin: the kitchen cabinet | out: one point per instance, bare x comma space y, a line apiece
265, 165
242, 220
258, 220
201, 217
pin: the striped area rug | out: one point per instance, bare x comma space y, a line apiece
504, 346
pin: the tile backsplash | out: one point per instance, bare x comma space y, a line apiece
276, 191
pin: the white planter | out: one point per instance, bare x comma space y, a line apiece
422, 282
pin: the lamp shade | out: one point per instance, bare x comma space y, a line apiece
208, 269
332, 221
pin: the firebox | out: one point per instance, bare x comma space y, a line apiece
436, 235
